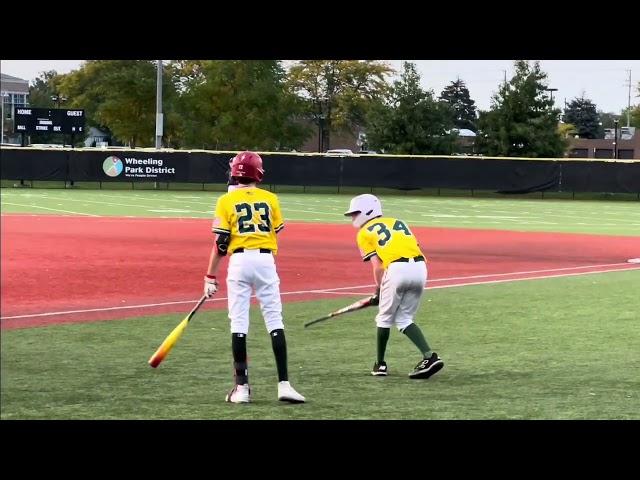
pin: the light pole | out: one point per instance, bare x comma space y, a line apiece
58, 99
159, 119
629, 104
615, 140
321, 118
551, 90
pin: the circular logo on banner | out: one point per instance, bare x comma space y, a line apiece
112, 166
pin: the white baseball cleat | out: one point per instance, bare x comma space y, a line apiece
286, 393
239, 394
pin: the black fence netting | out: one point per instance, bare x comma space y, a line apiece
501, 175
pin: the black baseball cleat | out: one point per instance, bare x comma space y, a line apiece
379, 369
427, 367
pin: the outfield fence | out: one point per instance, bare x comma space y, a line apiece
202, 169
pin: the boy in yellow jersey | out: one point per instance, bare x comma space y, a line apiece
400, 274
247, 220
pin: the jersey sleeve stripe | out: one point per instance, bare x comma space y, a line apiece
280, 227
368, 256
220, 230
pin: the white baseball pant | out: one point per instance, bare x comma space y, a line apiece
250, 270
400, 293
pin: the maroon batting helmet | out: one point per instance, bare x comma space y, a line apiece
247, 165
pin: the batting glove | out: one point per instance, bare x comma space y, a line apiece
210, 285
375, 298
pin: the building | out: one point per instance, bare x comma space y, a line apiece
338, 140
603, 148
15, 93
624, 133
97, 138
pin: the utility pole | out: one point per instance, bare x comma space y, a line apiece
551, 90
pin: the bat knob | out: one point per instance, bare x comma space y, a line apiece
154, 362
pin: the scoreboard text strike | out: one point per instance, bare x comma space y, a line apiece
48, 120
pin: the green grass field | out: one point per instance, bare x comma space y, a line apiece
567, 349
524, 214
557, 348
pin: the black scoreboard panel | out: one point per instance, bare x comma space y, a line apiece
48, 120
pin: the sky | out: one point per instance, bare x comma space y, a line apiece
603, 81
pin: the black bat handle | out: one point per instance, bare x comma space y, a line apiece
195, 309
316, 321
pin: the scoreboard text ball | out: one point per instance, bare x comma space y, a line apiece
48, 120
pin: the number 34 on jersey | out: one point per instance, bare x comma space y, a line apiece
388, 238
251, 216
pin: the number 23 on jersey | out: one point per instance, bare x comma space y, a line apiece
247, 216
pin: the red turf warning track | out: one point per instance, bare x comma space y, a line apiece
63, 263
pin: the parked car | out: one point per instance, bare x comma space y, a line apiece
339, 152
49, 145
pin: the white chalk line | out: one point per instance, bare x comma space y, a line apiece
518, 220
339, 289
532, 278
53, 209
564, 269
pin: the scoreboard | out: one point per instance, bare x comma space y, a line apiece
48, 120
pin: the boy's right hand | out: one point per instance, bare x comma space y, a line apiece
375, 298
210, 285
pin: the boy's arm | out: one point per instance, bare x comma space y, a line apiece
378, 273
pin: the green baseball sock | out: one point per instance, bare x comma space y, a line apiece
383, 338
415, 335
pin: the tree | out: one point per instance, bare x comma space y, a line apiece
409, 120
45, 86
608, 119
582, 113
634, 117
237, 104
457, 96
121, 96
338, 93
41, 91
567, 130
635, 112
522, 121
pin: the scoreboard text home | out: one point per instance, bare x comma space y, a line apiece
48, 120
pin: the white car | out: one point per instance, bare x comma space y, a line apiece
339, 152
49, 145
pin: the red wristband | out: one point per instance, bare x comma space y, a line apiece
212, 277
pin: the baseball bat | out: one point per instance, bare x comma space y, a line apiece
168, 343
365, 302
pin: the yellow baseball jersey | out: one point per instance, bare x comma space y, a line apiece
388, 238
251, 216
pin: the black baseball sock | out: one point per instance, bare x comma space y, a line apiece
239, 349
383, 338
279, 344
